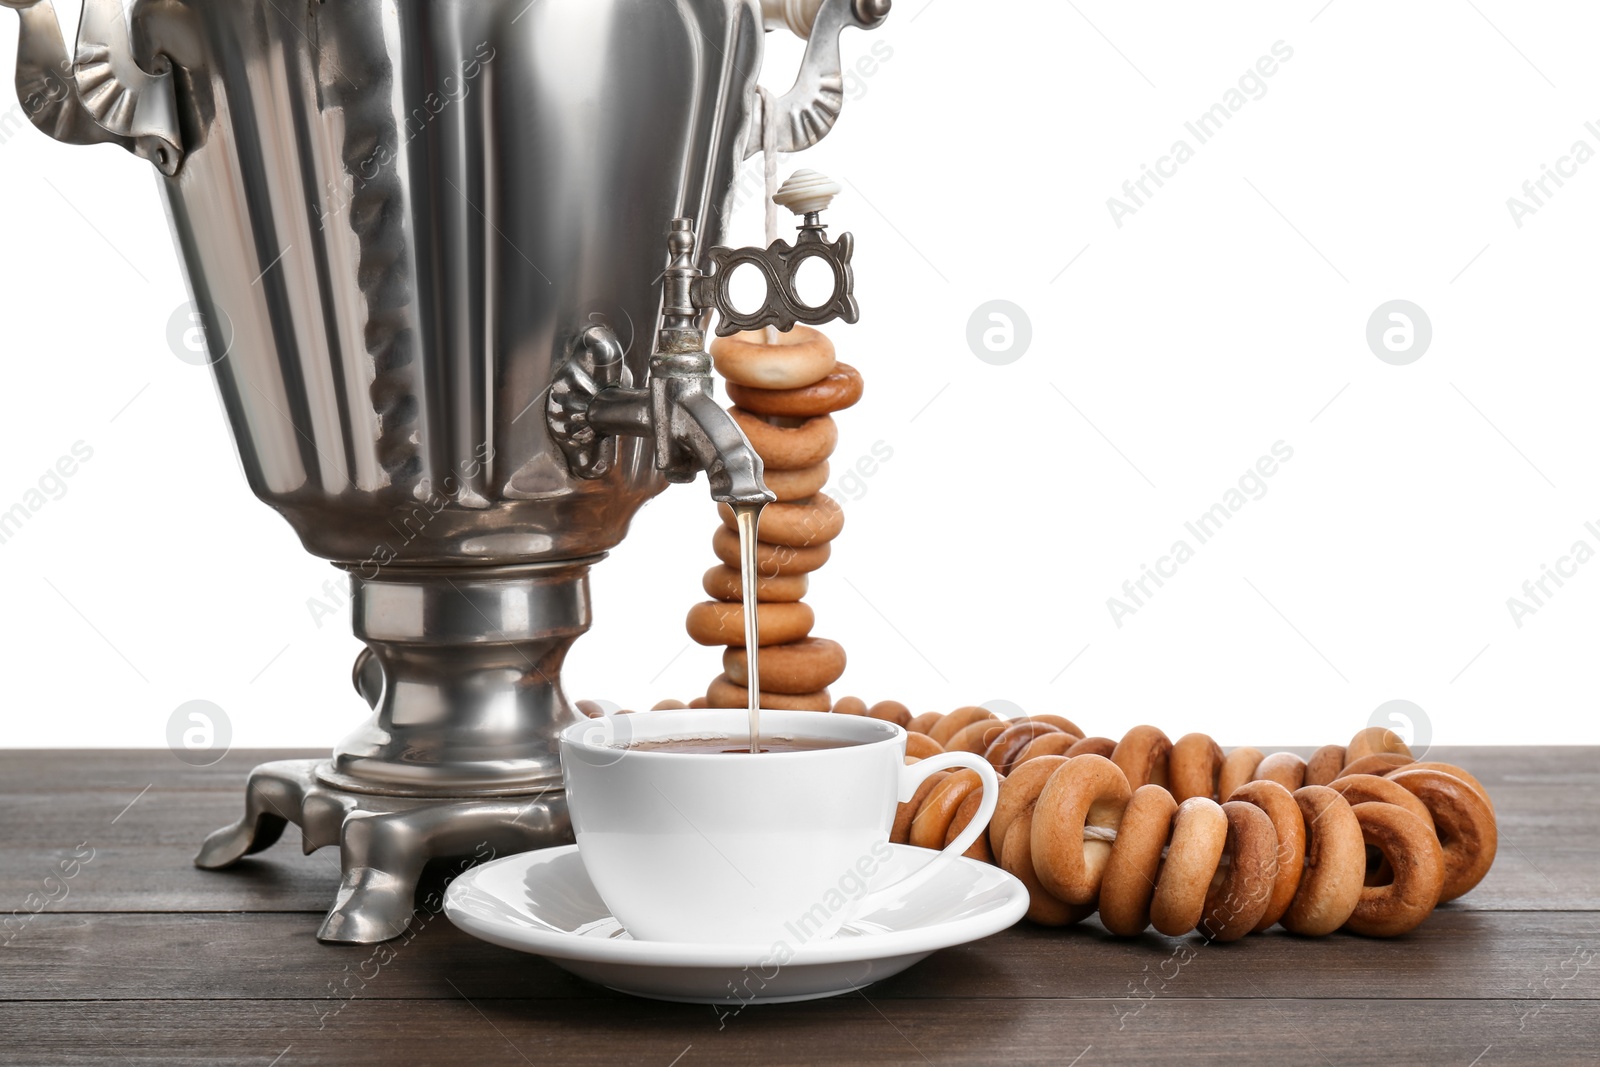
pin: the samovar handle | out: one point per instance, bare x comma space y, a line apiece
101, 95
806, 113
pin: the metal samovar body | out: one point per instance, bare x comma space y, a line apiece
426, 240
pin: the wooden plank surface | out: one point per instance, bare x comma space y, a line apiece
147, 960
145, 827
864, 1028
1455, 955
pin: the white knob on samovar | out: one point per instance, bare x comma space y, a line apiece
807, 192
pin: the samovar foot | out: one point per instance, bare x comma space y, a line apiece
274, 791
384, 841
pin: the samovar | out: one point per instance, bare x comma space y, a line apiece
431, 242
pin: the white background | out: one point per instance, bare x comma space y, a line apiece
1167, 355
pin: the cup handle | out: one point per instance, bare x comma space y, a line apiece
911, 776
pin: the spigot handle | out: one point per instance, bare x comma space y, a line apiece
807, 194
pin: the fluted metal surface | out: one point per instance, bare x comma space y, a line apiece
402, 215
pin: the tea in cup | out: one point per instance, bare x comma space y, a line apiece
690, 836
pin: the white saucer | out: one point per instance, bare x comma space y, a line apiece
543, 902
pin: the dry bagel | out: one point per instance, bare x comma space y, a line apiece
921, 746
891, 711
1056, 744
1089, 791
979, 849
1007, 747
791, 359
804, 666
1018, 794
772, 561
1130, 875
722, 693
849, 706
796, 484
1370, 789
1324, 765
1289, 827
1193, 767
1372, 741
799, 524
839, 389
977, 737
713, 622
1238, 768
1379, 763
1044, 909
949, 725
1464, 823
788, 448
1199, 834
1450, 768
932, 821
1242, 889
1413, 854
924, 723
900, 831
1070, 827
1061, 723
1335, 865
1285, 768
724, 583
1092, 746
1142, 754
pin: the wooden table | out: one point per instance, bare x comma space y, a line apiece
141, 958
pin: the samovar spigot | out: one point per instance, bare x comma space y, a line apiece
692, 431
589, 407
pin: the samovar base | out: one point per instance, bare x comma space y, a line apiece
460, 758
384, 841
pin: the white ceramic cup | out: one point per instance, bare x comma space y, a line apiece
747, 849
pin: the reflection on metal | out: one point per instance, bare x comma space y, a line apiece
102, 94
422, 223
